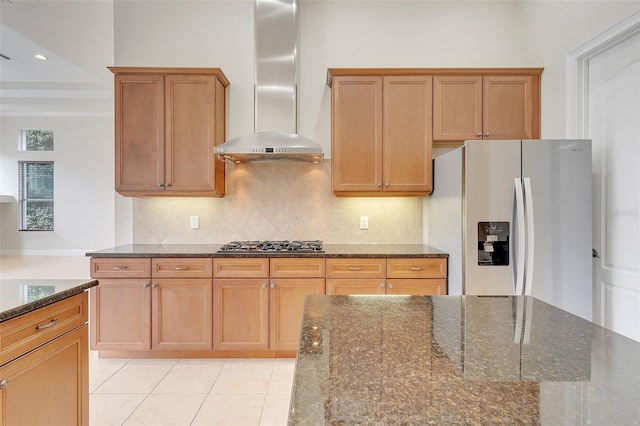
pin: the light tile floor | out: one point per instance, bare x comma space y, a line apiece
154, 392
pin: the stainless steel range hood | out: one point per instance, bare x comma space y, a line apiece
275, 97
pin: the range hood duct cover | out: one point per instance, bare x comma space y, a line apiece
275, 97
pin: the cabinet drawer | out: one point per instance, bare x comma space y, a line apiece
26, 332
417, 268
241, 268
296, 268
355, 268
115, 267
197, 267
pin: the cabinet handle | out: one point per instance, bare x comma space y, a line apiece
486, 134
390, 285
161, 185
355, 268
386, 184
167, 184
416, 268
4, 383
146, 285
379, 185
264, 285
182, 268
273, 285
117, 267
47, 325
382, 285
479, 134
154, 285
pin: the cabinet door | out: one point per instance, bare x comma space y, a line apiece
407, 140
286, 305
417, 287
241, 314
356, 149
139, 133
355, 286
457, 108
510, 109
49, 385
191, 134
181, 314
121, 314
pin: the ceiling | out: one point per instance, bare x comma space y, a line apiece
74, 79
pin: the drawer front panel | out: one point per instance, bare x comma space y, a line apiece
139, 267
297, 268
182, 267
241, 268
417, 268
26, 332
356, 268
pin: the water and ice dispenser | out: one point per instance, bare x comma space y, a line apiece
493, 243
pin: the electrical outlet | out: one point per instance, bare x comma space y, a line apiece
364, 222
195, 223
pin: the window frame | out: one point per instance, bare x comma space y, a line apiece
24, 200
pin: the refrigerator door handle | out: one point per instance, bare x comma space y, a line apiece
520, 236
528, 197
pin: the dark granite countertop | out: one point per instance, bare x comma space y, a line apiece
20, 296
211, 250
459, 360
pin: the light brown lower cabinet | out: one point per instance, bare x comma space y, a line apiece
48, 384
170, 310
263, 313
400, 276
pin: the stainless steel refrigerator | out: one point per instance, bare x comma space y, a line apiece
515, 218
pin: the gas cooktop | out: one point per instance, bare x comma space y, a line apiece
297, 246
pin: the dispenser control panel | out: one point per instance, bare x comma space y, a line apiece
493, 243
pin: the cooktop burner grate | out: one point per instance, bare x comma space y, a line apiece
298, 246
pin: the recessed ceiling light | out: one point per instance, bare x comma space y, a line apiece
40, 57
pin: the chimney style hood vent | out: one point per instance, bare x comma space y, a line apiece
275, 97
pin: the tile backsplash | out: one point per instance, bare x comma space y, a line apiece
273, 201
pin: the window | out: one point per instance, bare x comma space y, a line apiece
36, 195
37, 140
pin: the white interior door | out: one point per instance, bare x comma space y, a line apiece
614, 127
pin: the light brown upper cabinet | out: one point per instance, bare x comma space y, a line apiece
495, 106
167, 123
381, 135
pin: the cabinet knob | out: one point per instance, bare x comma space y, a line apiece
479, 134
146, 285
167, 184
386, 184
379, 185
264, 285
4, 383
382, 285
390, 285
161, 185
154, 285
273, 285
486, 134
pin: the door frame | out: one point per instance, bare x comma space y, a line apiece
577, 73
577, 101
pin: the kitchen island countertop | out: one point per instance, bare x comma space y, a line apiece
21, 296
211, 250
459, 360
